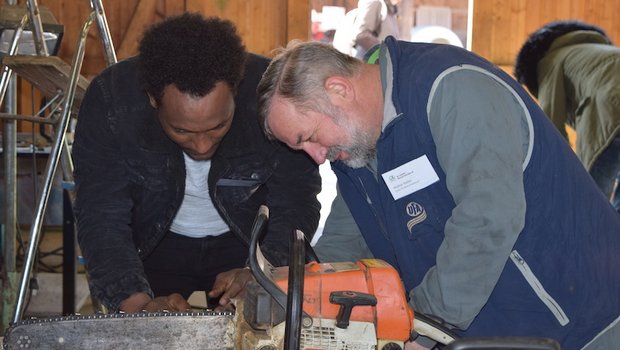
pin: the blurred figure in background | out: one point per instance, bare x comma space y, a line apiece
366, 26
574, 71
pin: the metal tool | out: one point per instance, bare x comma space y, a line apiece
179, 330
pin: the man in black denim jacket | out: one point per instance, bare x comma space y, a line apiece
184, 99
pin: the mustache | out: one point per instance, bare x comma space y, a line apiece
333, 152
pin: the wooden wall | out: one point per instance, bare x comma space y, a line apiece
499, 26
263, 24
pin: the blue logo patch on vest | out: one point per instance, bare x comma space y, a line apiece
417, 212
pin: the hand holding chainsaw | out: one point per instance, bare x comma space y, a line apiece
229, 285
142, 302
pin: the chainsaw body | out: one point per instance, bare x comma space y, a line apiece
358, 305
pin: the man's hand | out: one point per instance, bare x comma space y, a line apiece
142, 302
229, 285
411, 345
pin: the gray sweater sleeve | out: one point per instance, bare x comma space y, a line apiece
481, 134
341, 239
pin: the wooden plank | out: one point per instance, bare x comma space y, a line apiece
143, 16
173, 7
262, 24
500, 27
49, 74
298, 20
405, 19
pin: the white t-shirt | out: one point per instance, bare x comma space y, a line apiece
197, 216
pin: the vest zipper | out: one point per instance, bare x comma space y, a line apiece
538, 288
372, 207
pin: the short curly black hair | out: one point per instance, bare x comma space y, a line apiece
536, 46
193, 53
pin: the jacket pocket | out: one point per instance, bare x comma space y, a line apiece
538, 288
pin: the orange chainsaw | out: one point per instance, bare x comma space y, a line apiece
330, 306
342, 305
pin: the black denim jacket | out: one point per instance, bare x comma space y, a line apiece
130, 180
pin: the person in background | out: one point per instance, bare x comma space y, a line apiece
456, 178
574, 70
171, 167
366, 26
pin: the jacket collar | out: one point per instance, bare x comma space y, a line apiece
579, 37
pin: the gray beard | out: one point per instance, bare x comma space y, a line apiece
362, 148
358, 156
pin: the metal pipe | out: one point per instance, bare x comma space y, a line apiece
67, 169
8, 87
37, 27
104, 31
50, 169
10, 178
9, 234
52, 101
6, 71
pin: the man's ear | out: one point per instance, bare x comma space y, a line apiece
339, 88
152, 101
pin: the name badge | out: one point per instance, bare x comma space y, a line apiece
410, 177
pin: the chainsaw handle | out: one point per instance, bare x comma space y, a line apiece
258, 227
504, 343
295, 298
431, 328
261, 273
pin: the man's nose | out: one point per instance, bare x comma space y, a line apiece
202, 144
317, 152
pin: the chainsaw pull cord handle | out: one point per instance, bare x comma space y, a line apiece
258, 229
348, 299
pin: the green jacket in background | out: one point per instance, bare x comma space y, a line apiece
579, 84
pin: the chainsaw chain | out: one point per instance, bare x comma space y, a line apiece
117, 315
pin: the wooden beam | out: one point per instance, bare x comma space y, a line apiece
405, 19
298, 24
143, 16
173, 7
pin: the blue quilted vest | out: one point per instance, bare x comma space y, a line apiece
562, 279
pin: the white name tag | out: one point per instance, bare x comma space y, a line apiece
410, 177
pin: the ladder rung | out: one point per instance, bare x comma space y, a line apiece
48, 74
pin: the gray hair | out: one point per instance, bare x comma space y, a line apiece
298, 74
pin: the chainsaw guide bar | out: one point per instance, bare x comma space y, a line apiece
160, 330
